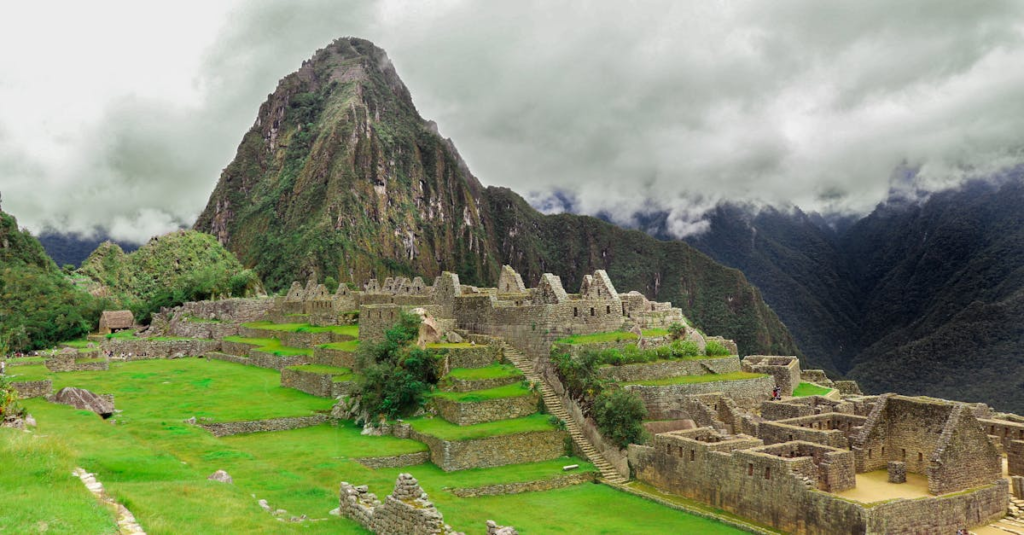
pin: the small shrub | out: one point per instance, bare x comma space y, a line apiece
676, 331
619, 415
9, 406
716, 348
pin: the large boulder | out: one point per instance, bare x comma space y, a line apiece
81, 398
430, 332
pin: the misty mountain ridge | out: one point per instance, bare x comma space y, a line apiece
924, 295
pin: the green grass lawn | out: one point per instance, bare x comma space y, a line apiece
494, 371
349, 330
24, 361
444, 430
810, 389
81, 343
597, 338
710, 378
157, 465
338, 374
39, 492
29, 373
513, 390
349, 345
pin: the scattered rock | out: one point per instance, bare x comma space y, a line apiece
191, 421
80, 398
221, 476
263, 505
30, 421
454, 337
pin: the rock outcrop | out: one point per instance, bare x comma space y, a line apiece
80, 398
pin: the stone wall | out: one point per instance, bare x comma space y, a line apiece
395, 461
334, 357
451, 384
768, 486
663, 369
817, 377
1015, 458
314, 384
785, 370
236, 348
141, 348
478, 356
942, 440
1004, 430
271, 361
502, 489
405, 512
663, 402
201, 329
33, 389
491, 410
224, 429
74, 363
493, 451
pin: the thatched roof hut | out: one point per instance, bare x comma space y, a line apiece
116, 320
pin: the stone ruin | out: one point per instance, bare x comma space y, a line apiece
407, 511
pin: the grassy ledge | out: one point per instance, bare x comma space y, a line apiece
494, 371
349, 330
350, 345
810, 389
508, 391
337, 373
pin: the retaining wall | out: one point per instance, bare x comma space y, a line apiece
664, 369
395, 461
502, 489
334, 357
663, 402
492, 410
493, 451
33, 389
224, 429
142, 349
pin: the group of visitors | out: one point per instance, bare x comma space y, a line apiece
777, 393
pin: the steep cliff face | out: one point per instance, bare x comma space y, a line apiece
341, 176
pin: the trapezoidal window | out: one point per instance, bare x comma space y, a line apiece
767, 472
575, 312
920, 456
750, 469
591, 311
692, 455
608, 309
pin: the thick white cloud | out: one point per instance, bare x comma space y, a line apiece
122, 115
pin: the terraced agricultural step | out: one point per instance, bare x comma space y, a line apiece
556, 409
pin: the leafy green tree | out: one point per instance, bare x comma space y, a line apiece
619, 415
331, 283
396, 374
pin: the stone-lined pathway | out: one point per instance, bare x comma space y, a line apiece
553, 403
125, 519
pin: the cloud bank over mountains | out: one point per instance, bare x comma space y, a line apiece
625, 108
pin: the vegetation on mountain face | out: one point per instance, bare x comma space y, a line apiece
72, 249
341, 177
169, 270
39, 305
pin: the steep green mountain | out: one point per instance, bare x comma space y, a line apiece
39, 305
341, 176
73, 249
170, 269
921, 298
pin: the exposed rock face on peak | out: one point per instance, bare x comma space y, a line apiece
340, 176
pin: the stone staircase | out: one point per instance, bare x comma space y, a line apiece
554, 406
1013, 522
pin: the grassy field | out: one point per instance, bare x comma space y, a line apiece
597, 338
157, 465
709, 378
810, 389
39, 492
513, 390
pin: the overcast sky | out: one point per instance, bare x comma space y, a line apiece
121, 114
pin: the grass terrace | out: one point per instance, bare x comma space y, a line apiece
440, 428
494, 371
270, 345
338, 374
349, 330
342, 442
709, 378
25, 360
130, 335
810, 389
513, 390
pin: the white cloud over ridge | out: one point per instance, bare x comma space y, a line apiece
669, 106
